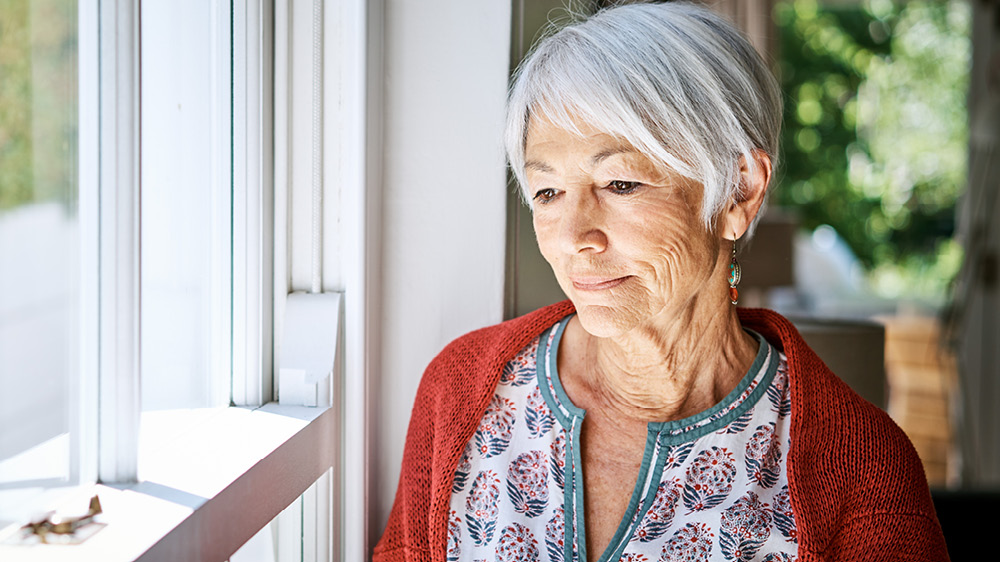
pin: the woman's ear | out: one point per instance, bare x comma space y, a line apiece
754, 181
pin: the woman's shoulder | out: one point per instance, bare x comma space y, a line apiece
827, 407
849, 464
827, 404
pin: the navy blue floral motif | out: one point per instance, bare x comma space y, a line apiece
462, 471
527, 483
517, 544
745, 527
709, 479
739, 424
777, 393
454, 550
657, 520
495, 429
677, 454
482, 507
763, 456
520, 370
555, 536
692, 543
557, 462
784, 519
537, 414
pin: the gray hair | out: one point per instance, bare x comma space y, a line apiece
675, 81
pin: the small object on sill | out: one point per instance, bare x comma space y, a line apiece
56, 529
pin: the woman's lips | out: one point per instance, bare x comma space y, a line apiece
596, 283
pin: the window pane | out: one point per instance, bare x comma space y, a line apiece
39, 240
182, 214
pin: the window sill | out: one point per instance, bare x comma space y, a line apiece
210, 480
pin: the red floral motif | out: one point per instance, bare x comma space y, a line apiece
521, 369
527, 483
557, 460
481, 507
495, 429
555, 535
784, 519
709, 479
517, 544
693, 543
763, 456
537, 415
454, 550
657, 520
745, 527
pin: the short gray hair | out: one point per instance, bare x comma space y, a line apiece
676, 81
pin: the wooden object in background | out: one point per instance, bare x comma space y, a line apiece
922, 380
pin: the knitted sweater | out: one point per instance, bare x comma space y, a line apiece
857, 487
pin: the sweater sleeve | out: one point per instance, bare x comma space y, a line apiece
405, 538
862, 489
857, 485
889, 536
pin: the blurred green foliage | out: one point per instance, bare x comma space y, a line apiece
38, 102
875, 137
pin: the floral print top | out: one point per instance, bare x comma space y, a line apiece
711, 487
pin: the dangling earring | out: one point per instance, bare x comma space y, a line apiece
734, 275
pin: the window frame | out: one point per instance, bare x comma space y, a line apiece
108, 409
118, 162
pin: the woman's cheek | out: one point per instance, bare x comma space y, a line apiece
544, 236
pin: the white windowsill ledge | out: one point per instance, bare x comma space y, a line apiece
211, 481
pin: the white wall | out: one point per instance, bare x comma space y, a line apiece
446, 67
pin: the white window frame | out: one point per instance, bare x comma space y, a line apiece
293, 447
118, 145
253, 202
339, 55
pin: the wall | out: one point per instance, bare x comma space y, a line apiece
446, 65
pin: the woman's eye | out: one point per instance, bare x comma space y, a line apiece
623, 187
545, 195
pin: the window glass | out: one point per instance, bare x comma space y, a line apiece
185, 214
39, 241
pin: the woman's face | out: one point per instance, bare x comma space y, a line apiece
624, 237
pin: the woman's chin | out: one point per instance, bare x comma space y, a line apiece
604, 321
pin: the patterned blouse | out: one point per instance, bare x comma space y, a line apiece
711, 487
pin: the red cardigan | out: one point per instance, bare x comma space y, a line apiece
857, 487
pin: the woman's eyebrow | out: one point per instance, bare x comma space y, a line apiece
539, 166
607, 153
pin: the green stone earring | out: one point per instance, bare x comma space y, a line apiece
734, 276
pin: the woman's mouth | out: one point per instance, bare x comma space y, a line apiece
596, 283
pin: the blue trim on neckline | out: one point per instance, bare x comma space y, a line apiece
560, 403
570, 417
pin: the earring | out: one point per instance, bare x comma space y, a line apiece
734, 276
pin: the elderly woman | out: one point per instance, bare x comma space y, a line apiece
649, 418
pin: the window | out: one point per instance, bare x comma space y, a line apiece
41, 237
186, 212
157, 258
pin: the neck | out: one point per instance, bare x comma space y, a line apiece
673, 367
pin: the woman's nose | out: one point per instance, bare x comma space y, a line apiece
582, 225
